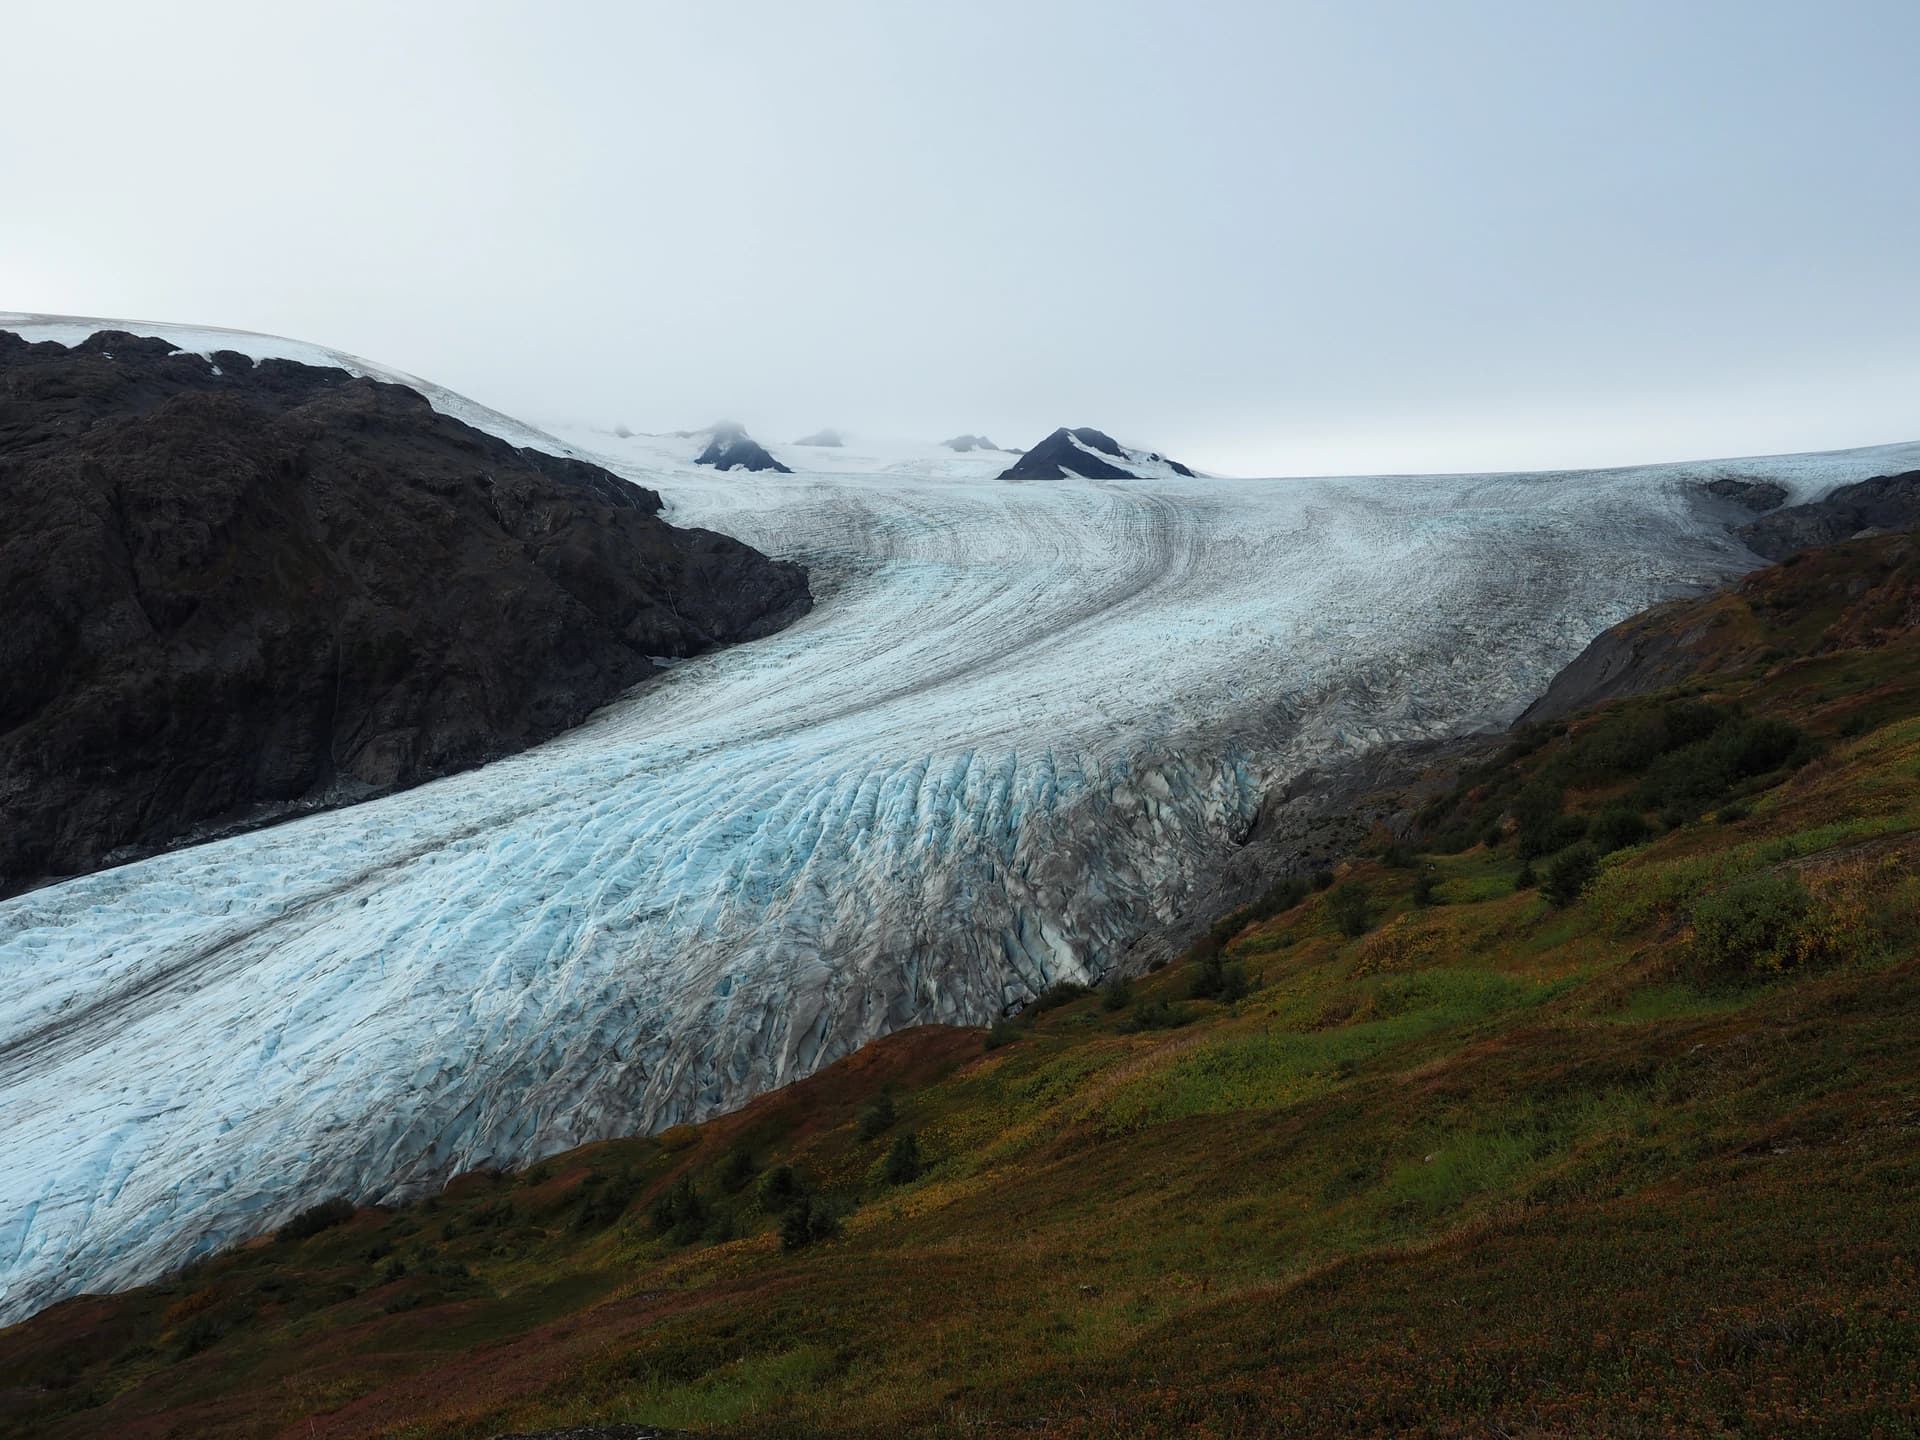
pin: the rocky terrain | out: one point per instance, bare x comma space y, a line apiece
730, 447
1090, 455
230, 589
822, 440
1886, 502
961, 444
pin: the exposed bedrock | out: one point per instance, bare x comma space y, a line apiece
227, 587
1089, 454
1886, 502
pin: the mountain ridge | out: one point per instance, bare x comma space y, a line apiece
237, 591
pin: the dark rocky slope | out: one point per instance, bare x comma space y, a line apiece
1057, 456
230, 589
964, 443
1889, 502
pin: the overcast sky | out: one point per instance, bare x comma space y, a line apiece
1268, 238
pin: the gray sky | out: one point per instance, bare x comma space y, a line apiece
1267, 238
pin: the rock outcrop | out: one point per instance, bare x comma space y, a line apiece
1091, 455
1759, 496
1888, 502
731, 448
964, 443
824, 439
230, 591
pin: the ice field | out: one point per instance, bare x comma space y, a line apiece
1019, 722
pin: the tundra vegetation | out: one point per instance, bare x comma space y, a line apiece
1409, 1148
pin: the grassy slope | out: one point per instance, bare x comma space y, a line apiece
1493, 1167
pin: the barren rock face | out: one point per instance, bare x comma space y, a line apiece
1022, 728
226, 587
1885, 502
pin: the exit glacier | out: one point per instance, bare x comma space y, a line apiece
1021, 721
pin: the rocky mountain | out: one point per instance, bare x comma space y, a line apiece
1887, 502
965, 443
824, 439
731, 448
232, 589
1090, 455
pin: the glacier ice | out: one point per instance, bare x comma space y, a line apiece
1021, 721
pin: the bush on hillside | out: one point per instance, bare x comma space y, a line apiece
1157, 1015
736, 1171
877, 1118
1001, 1032
1569, 873
1116, 994
1281, 897
1214, 978
1618, 828
314, 1219
807, 1222
903, 1160
1352, 908
1060, 992
781, 1187
1762, 925
682, 1213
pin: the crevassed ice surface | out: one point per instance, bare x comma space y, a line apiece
1021, 720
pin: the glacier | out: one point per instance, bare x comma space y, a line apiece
1022, 721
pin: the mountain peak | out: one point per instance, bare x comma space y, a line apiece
732, 448
1089, 454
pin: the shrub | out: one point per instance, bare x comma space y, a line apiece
903, 1160
1618, 828
1116, 994
1569, 873
680, 1213
1527, 878
1685, 782
807, 1222
1283, 896
1061, 992
780, 1188
1323, 879
1760, 925
1158, 1015
1215, 979
314, 1219
877, 1118
1352, 908
1423, 887
736, 1171
607, 1199
1002, 1032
